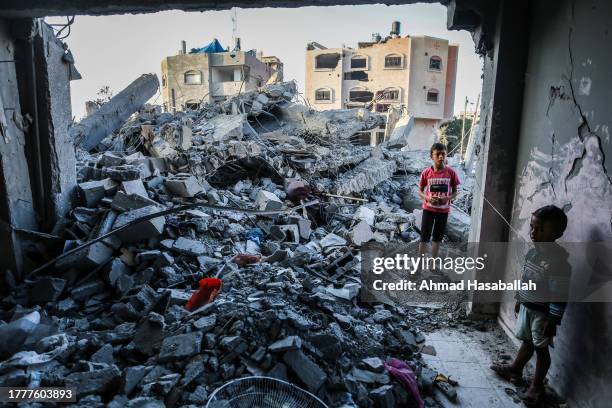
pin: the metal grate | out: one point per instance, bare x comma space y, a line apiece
262, 392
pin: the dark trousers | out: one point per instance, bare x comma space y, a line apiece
433, 221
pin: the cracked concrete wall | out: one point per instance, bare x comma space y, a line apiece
564, 158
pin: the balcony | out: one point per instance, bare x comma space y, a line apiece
226, 88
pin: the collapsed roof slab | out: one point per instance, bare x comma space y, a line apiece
41, 8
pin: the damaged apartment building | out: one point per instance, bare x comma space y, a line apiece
152, 201
213, 73
415, 75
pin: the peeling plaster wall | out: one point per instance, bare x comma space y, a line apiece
564, 158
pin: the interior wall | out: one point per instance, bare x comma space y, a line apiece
564, 159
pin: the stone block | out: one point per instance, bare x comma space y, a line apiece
91, 192
206, 323
143, 230
94, 382
135, 187
86, 290
183, 185
306, 370
127, 202
189, 247
104, 355
361, 233
267, 201
288, 343
181, 346
366, 214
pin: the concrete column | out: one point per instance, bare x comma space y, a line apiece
502, 102
53, 75
16, 207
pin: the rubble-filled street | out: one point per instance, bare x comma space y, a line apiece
258, 206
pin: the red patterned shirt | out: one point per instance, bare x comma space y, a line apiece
441, 183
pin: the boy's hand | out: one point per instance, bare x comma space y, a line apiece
550, 328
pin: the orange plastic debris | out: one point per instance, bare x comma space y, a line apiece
209, 289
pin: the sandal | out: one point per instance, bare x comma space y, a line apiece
532, 401
505, 372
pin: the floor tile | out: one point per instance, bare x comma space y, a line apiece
453, 351
473, 398
467, 374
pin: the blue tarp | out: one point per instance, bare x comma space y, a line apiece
214, 46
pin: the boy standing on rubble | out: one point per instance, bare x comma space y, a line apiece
437, 187
540, 310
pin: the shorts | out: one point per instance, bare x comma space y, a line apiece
530, 327
435, 221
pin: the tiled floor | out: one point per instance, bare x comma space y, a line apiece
465, 357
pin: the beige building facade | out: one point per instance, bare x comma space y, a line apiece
415, 73
189, 79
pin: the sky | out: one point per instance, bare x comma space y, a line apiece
115, 50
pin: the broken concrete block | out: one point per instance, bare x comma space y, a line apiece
142, 230
228, 127
383, 397
150, 334
370, 377
304, 226
109, 159
104, 355
206, 323
266, 201
366, 214
46, 289
126, 202
279, 371
124, 173
135, 187
14, 334
94, 382
87, 290
91, 192
194, 369
288, 343
181, 346
189, 247
292, 233
374, 364
306, 370
131, 377
183, 185
361, 233
331, 240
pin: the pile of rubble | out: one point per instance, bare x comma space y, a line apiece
260, 192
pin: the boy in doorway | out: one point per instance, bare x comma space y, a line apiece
540, 310
437, 187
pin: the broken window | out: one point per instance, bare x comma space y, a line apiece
435, 63
360, 95
432, 95
388, 95
193, 77
382, 107
194, 105
393, 61
323, 95
356, 76
327, 61
358, 61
